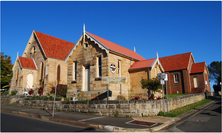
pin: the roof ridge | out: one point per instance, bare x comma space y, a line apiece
109, 41
176, 54
199, 62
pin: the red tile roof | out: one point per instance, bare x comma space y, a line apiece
117, 48
175, 62
27, 63
54, 47
197, 67
142, 64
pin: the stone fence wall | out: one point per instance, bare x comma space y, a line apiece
110, 108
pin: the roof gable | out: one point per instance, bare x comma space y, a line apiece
142, 64
175, 62
27, 63
54, 47
198, 67
116, 48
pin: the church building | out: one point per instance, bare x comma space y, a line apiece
83, 65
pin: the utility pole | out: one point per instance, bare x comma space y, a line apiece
54, 100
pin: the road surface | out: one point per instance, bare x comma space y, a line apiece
16, 123
207, 120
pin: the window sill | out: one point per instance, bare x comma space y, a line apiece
72, 82
98, 79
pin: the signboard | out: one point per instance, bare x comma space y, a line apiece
113, 80
166, 77
161, 76
162, 82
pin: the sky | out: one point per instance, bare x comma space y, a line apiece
166, 27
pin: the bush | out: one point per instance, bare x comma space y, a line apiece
151, 97
120, 97
14, 92
66, 99
6, 92
60, 91
40, 91
95, 98
31, 92
135, 97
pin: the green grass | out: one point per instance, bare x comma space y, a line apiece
175, 95
179, 111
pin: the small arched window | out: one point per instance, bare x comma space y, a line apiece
33, 50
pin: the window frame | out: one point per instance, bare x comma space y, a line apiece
176, 78
119, 68
99, 66
195, 82
74, 71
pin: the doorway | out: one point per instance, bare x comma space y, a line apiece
29, 81
86, 81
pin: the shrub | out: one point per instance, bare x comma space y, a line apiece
40, 91
150, 84
95, 99
14, 92
6, 92
31, 92
66, 99
135, 98
151, 97
120, 97
61, 90
159, 97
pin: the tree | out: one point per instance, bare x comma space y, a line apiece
152, 84
215, 74
6, 69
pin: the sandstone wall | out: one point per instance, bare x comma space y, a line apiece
124, 67
125, 107
86, 56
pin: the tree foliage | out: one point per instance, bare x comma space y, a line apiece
215, 74
152, 84
6, 69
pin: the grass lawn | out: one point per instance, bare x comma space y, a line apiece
175, 95
179, 111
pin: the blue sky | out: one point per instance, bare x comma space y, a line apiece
169, 28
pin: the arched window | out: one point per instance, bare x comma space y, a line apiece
17, 77
58, 74
33, 50
41, 71
41, 74
29, 81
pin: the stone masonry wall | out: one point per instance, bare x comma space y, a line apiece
125, 107
86, 55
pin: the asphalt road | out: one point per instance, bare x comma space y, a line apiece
208, 120
16, 123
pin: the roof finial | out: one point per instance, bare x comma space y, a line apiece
84, 28
17, 54
134, 49
84, 31
157, 56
